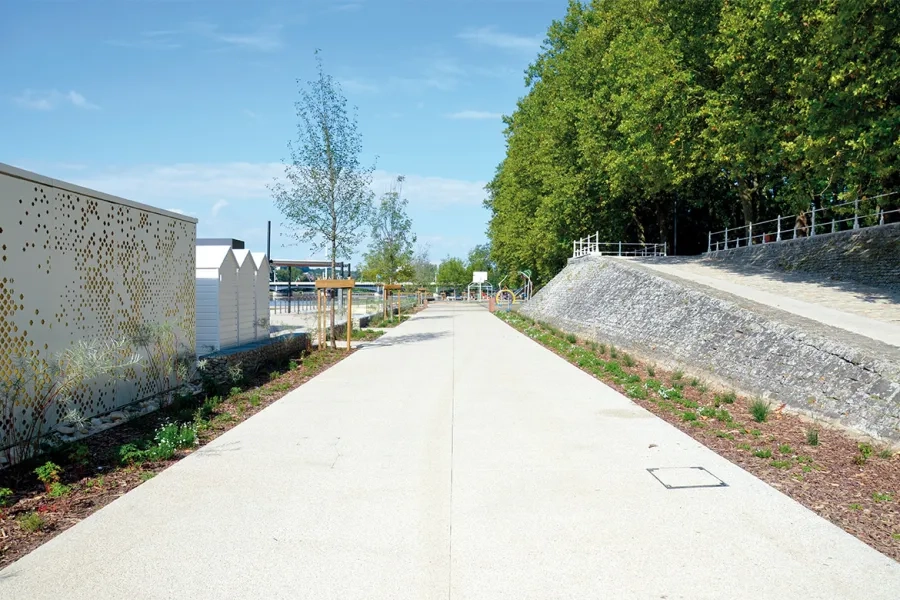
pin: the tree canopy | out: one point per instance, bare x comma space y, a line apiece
390, 255
640, 114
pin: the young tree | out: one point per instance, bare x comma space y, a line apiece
326, 197
390, 254
424, 271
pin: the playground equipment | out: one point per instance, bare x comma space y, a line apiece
322, 288
522, 293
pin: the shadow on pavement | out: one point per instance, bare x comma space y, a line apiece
410, 338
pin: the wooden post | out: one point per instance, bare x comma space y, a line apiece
349, 316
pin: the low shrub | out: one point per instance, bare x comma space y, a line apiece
759, 410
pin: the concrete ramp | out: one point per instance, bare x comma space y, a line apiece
830, 363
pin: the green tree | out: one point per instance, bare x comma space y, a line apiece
452, 272
390, 255
424, 271
326, 197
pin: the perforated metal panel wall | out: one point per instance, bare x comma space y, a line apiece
75, 264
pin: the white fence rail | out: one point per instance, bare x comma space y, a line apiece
815, 221
592, 246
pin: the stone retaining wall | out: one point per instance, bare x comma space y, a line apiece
253, 357
821, 371
870, 256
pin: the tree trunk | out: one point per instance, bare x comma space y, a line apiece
745, 193
333, 292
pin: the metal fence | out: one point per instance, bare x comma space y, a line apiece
592, 246
816, 221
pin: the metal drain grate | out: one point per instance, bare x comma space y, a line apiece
681, 478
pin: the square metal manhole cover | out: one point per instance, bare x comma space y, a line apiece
679, 478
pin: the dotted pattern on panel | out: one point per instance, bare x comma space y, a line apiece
74, 267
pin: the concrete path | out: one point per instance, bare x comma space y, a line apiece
859, 309
455, 459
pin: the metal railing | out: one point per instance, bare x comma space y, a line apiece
592, 246
816, 221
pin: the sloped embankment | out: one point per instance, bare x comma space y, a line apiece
825, 372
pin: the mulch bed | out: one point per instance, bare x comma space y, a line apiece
100, 479
853, 484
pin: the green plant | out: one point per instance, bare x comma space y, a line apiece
702, 388
688, 416
594, 346
694, 382
292, 364
613, 353
236, 374
570, 337
860, 459
812, 437
677, 375
651, 370
255, 400
885, 454
725, 434
865, 449
234, 391
147, 475
627, 360
759, 410
177, 436
882, 497
762, 453
31, 522
602, 348
280, 387
724, 416
208, 408
708, 412
755, 432
785, 449
638, 392
96, 482
80, 455
6, 495
48, 474
781, 464
38, 385
58, 490
896, 536
856, 506
744, 446
274, 375
726, 398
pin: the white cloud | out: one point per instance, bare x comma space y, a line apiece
249, 113
263, 39
50, 100
235, 183
218, 206
475, 115
489, 36
358, 86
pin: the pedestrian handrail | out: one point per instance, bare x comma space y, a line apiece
816, 221
592, 246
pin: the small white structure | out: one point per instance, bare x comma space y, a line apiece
261, 306
217, 307
246, 296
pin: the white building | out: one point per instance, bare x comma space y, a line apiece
78, 264
261, 305
217, 298
246, 296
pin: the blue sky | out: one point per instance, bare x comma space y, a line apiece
188, 105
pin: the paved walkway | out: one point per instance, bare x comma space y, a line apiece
455, 459
863, 310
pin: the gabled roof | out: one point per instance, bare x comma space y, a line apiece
258, 258
213, 257
241, 255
